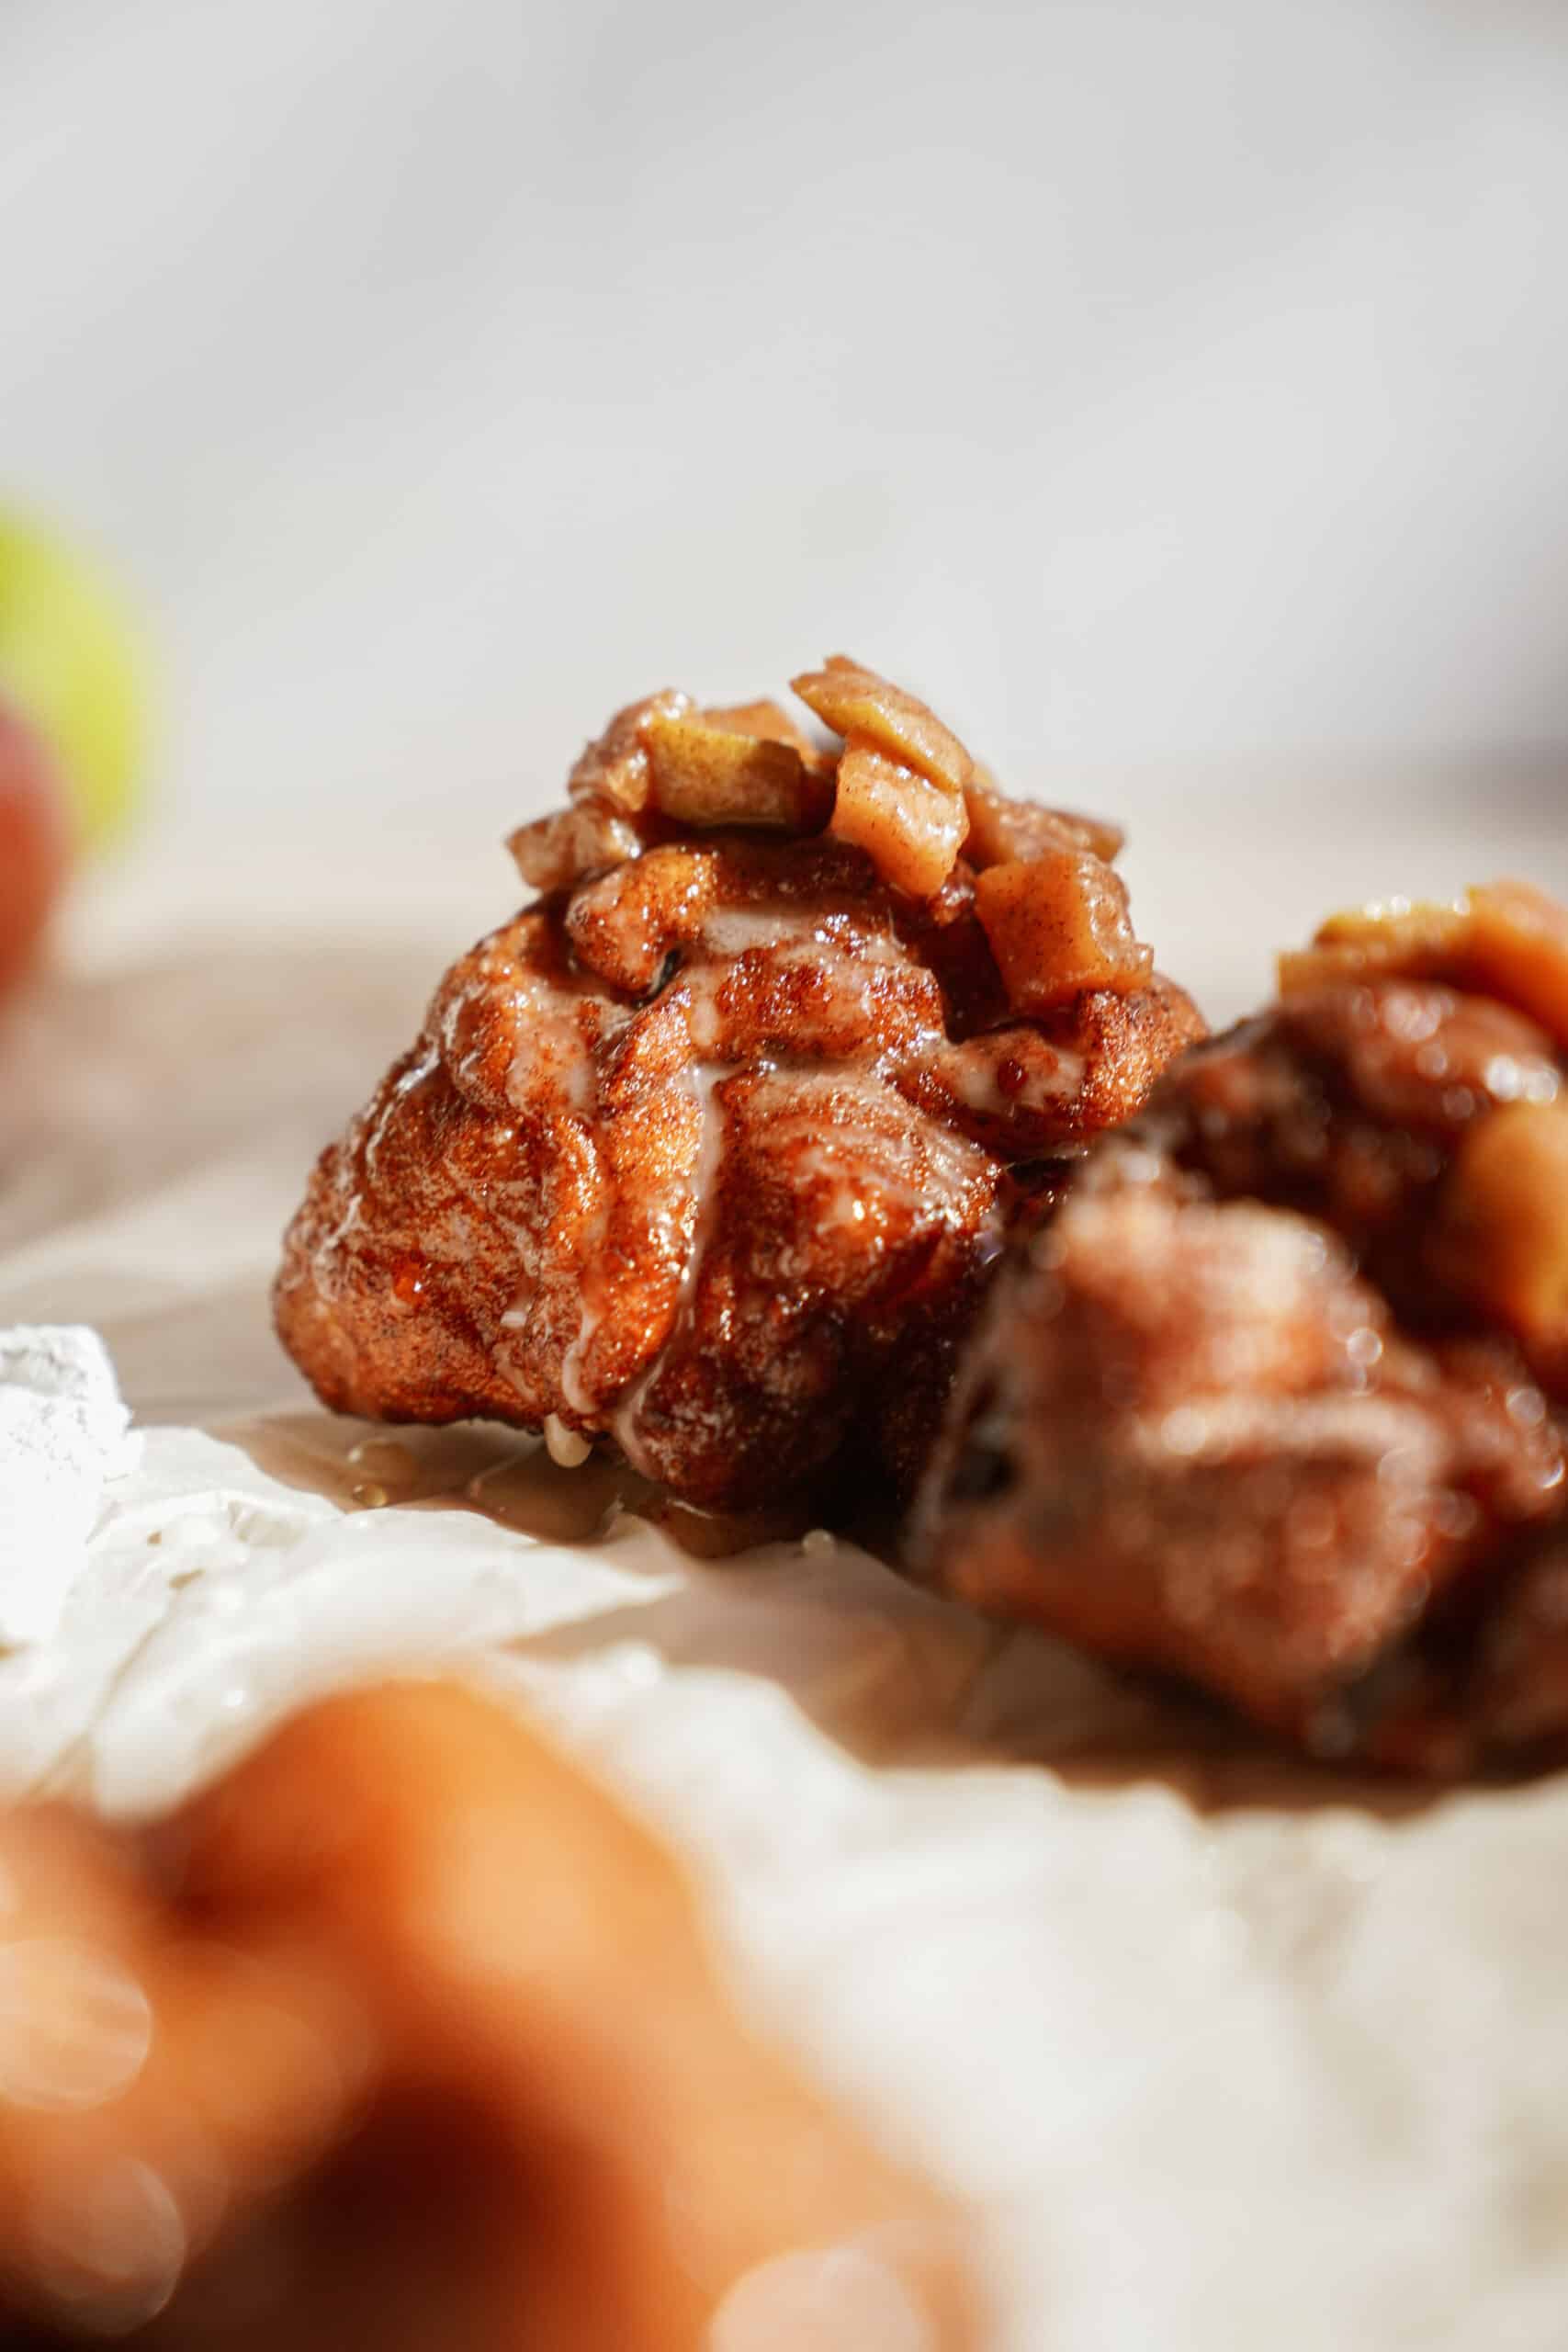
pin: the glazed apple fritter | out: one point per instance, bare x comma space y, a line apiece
709, 1151
1276, 1399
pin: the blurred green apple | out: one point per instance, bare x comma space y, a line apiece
35, 841
70, 662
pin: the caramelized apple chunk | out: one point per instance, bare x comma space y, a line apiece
1505, 940
908, 827
853, 700
1002, 830
901, 776
614, 767
1518, 947
1387, 938
1501, 1236
554, 851
1058, 925
770, 721
704, 774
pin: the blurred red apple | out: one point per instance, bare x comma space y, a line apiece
35, 838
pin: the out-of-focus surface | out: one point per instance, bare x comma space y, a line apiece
1163, 389
1226, 2049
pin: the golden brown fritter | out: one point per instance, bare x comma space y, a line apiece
405, 2035
705, 1151
1276, 1399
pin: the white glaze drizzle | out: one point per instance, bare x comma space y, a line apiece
706, 1077
323, 1257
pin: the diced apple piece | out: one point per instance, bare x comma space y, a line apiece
1395, 927
1518, 945
911, 828
1505, 1224
1002, 830
852, 700
702, 776
554, 851
1388, 939
769, 719
1505, 940
1058, 925
614, 766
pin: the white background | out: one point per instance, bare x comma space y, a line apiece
1174, 391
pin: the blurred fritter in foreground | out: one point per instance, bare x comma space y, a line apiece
404, 2035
